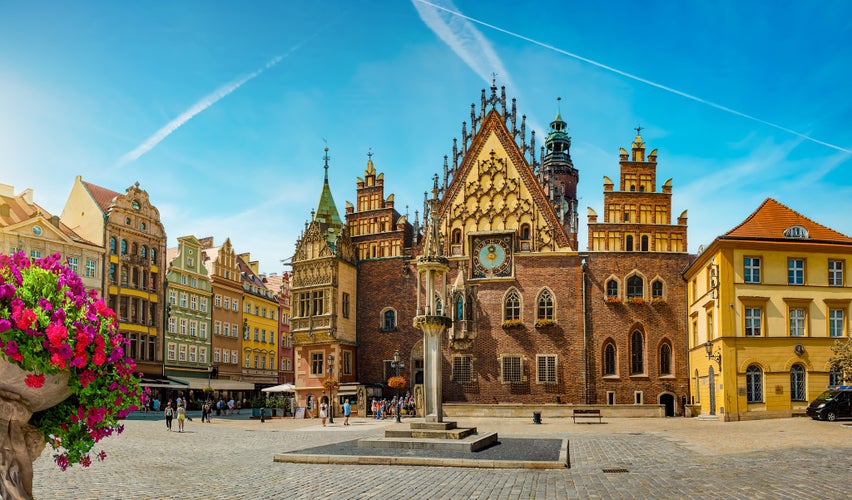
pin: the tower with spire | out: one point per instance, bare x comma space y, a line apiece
559, 177
324, 294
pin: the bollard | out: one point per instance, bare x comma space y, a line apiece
536, 417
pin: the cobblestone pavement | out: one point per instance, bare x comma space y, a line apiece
622, 458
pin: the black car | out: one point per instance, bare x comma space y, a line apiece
832, 404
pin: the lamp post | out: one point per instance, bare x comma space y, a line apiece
330, 390
396, 364
717, 356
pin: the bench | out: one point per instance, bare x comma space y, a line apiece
586, 414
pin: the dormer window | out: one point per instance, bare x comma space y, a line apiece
796, 232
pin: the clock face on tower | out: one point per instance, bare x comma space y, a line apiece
492, 256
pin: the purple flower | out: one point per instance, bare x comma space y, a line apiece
5, 324
7, 291
65, 351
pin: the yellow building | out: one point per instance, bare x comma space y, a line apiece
766, 301
260, 326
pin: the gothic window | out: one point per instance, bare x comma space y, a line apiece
637, 353
439, 305
609, 359
525, 231
545, 305
512, 305
665, 359
388, 320
657, 290
635, 287
459, 307
612, 288
456, 237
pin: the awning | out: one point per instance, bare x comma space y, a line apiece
280, 388
162, 383
216, 384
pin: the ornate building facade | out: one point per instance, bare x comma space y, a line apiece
635, 293
227, 311
189, 296
519, 295
259, 326
128, 226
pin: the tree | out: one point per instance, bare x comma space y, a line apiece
842, 359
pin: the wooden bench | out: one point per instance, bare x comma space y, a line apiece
586, 414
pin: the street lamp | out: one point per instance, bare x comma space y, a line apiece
330, 390
717, 356
396, 364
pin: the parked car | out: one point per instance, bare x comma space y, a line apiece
832, 404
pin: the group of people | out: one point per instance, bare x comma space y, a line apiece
388, 407
170, 412
221, 407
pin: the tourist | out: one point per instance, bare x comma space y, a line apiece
181, 416
347, 410
169, 413
323, 412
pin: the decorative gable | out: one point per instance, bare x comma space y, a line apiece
495, 190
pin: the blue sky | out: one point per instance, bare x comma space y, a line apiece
221, 110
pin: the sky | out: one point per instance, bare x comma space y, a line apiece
222, 110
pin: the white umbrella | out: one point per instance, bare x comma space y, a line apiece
280, 388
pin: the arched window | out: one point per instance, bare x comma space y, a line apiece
123, 247
134, 249
144, 252
439, 306
635, 287
512, 305
456, 238
644, 242
112, 245
153, 256
389, 320
665, 359
754, 384
797, 383
459, 308
657, 290
628, 242
609, 359
612, 288
525, 231
545, 305
637, 353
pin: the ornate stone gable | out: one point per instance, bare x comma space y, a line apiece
495, 189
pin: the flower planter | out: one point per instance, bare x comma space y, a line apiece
20, 442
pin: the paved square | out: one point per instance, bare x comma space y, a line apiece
622, 458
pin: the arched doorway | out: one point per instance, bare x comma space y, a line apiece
668, 400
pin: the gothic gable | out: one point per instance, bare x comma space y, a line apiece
495, 189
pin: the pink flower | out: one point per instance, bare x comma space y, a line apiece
87, 377
34, 381
102, 455
56, 333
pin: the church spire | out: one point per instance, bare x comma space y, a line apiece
326, 214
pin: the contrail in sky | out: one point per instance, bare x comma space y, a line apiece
204, 103
634, 77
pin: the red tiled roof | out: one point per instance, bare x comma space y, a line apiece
772, 218
101, 195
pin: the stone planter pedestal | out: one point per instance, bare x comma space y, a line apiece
20, 442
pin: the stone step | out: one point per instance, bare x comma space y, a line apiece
459, 433
435, 426
472, 443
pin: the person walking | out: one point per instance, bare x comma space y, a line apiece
181, 416
323, 412
169, 413
347, 410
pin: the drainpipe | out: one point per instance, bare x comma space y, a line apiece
585, 335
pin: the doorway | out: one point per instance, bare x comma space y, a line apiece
668, 400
